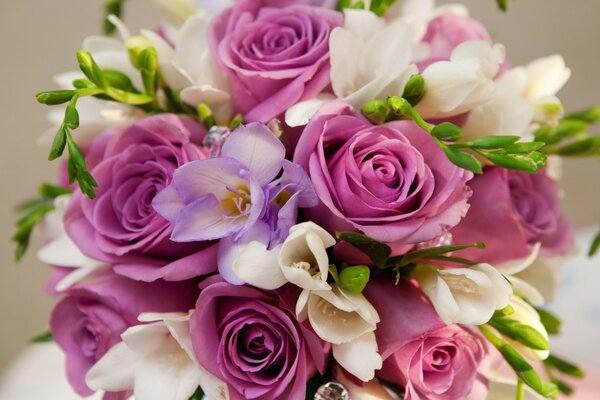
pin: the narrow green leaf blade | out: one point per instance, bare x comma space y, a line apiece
377, 251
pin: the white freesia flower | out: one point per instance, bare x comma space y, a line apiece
467, 296
61, 251
302, 260
525, 95
369, 58
526, 314
190, 67
157, 362
348, 322
464, 82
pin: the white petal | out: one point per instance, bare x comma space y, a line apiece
544, 276
218, 100
359, 357
78, 275
301, 113
259, 267
344, 68
115, 371
516, 266
546, 77
438, 291
528, 291
121, 27
63, 252
526, 314
502, 389
388, 51
362, 23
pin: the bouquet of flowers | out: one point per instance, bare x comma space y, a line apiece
307, 199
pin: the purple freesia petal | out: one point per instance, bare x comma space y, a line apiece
257, 148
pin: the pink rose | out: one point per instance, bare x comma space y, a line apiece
522, 209
391, 182
91, 317
277, 53
430, 360
447, 31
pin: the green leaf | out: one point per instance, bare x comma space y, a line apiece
426, 254
590, 116
595, 246
355, 278
518, 162
563, 387
24, 227
71, 120
45, 337
414, 90
49, 191
118, 80
463, 160
90, 69
565, 367
456, 260
503, 4
377, 251
550, 321
55, 97
198, 394
494, 142
333, 271
381, 7
447, 131
524, 147
314, 384
565, 129
586, 146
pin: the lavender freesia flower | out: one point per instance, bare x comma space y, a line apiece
236, 194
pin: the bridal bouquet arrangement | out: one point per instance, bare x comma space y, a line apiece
307, 199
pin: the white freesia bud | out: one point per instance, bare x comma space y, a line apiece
302, 260
463, 83
160, 352
347, 321
525, 314
467, 296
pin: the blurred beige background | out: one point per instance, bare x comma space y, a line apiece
38, 39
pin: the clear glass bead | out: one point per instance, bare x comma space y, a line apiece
214, 140
332, 391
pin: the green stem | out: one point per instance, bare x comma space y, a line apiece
419, 120
520, 390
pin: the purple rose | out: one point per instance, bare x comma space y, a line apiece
421, 354
132, 164
391, 182
276, 55
252, 340
447, 31
522, 209
94, 314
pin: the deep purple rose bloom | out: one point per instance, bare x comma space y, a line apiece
252, 340
521, 209
94, 314
277, 54
391, 182
132, 164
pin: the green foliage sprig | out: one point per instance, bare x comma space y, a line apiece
378, 7
33, 212
105, 84
503, 151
